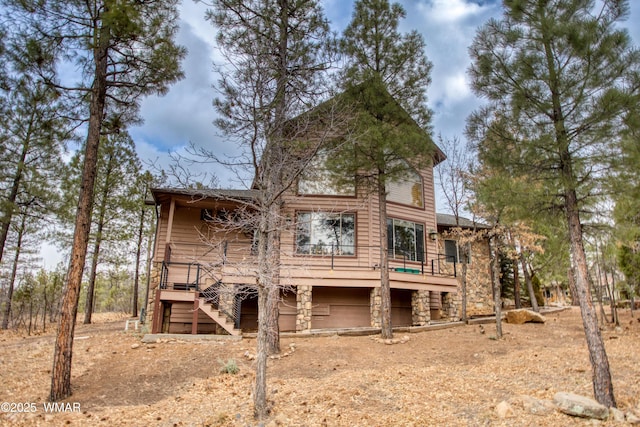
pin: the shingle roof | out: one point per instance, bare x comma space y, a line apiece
207, 193
448, 220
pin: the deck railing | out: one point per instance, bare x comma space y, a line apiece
241, 254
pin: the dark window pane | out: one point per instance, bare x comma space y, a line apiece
420, 242
451, 250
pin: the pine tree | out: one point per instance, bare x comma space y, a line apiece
34, 133
556, 72
125, 50
276, 53
374, 48
383, 69
114, 205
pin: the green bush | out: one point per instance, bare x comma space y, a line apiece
229, 367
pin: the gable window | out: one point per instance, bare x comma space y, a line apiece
407, 190
318, 180
405, 239
319, 233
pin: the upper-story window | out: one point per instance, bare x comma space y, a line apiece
319, 233
405, 239
317, 180
455, 253
407, 190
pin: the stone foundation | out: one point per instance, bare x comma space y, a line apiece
154, 282
450, 304
420, 311
304, 308
375, 305
479, 294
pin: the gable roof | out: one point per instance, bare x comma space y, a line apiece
372, 94
448, 220
364, 94
202, 193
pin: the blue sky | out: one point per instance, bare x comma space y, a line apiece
185, 114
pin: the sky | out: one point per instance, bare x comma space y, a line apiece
185, 114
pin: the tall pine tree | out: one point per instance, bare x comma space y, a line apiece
557, 72
277, 54
125, 50
383, 68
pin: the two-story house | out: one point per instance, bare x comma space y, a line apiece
204, 278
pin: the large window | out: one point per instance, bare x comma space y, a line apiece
320, 233
405, 239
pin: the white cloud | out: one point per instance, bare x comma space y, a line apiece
451, 11
457, 88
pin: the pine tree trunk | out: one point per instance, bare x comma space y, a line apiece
15, 186
385, 288
273, 288
516, 286
601, 375
529, 282
571, 277
614, 302
463, 278
63, 349
495, 278
88, 305
463, 291
14, 272
136, 280
88, 308
260, 407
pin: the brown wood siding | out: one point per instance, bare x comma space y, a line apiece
340, 307
401, 312
182, 318
357, 206
288, 312
286, 320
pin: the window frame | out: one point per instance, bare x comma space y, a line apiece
338, 248
419, 244
457, 257
408, 180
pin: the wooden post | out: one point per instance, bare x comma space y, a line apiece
194, 320
157, 314
172, 209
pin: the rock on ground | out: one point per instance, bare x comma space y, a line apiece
520, 316
580, 406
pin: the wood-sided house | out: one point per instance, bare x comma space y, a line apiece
330, 253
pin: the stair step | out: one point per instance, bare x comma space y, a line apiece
218, 317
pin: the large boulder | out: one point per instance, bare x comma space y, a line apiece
580, 406
520, 316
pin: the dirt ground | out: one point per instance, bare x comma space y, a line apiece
447, 377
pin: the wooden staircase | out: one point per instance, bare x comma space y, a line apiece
217, 316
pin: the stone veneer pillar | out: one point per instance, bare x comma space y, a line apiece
154, 283
304, 308
450, 306
420, 309
375, 307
